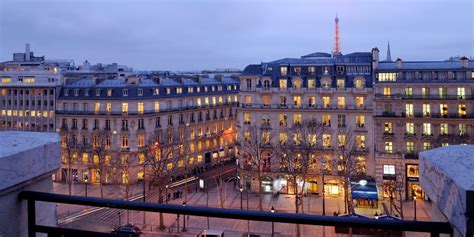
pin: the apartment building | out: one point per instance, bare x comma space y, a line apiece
335, 89
28, 86
419, 105
198, 109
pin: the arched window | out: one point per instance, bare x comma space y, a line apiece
266, 83
359, 82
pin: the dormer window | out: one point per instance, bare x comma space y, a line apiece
190, 89
311, 70
140, 92
86, 92
340, 69
213, 88
219, 88
168, 90
97, 92
76, 92
283, 71
266, 84
198, 89
66, 92
326, 82
326, 71
297, 70
205, 89
125, 92
359, 82
109, 92
341, 84
156, 91
179, 90
297, 83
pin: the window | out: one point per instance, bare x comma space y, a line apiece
124, 108
327, 140
266, 84
97, 92
341, 140
124, 124
125, 92
297, 101
246, 118
389, 169
388, 128
410, 147
359, 84
409, 110
360, 102
297, 119
141, 140
283, 101
443, 91
124, 141
341, 120
341, 102
390, 76
412, 171
311, 70
387, 91
29, 80
168, 90
266, 100
6, 80
297, 84
425, 91
311, 84
426, 110
179, 90
462, 129
409, 128
462, 111
443, 129
427, 129
283, 120
108, 107
360, 141
340, 83
248, 100
389, 147
109, 92
283, 138
97, 107
461, 93
157, 106
443, 108
426, 145
311, 101
140, 108
326, 101
248, 83
283, 83
408, 91
360, 121
326, 120
283, 71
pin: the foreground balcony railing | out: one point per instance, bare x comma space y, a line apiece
434, 228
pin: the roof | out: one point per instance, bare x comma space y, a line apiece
317, 55
424, 65
253, 69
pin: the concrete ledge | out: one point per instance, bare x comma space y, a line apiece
25, 155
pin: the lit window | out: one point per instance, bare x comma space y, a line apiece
283, 120
266, 100
283, 83
443, 129
360, 141
388, 128
462, 111
326, 120
108, 107
297, 119
97, 107
283, 138
297, 84
426, 110
140, 108
387, 91
179, 90
246, 118
410, 147
248, 100
389, 169
462, 129
340, 83
297, 101
283, 71
124, 108
426, 145
125, 92
410, 128
461, 93
124, 141
409, 110
408, 91
29, 80
341, 140
359, 84
389, 147
427, 129
391, 76
341, 102
360, 102
360, 121
326, 101
443, 109
6, 80
311, 84
157, 106
326, 140
311, 101
443, 91
425, 91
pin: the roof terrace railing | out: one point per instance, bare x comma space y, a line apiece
434, 228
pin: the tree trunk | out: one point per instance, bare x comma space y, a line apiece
69, 178
162, 224
260, 194
126, 198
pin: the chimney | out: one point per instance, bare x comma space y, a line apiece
27, 52
375, 57
464, 61
399, 63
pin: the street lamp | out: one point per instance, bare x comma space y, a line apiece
414, 205
323, 172
184, 219
86, 179
166, 194
241, 190
272, 210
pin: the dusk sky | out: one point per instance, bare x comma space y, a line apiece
209, 34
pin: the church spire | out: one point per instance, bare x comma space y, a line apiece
337, 45
389, 55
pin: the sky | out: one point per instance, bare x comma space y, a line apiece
209, 34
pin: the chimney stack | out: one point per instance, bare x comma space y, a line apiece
375, 57
464, 61
27, 52
399, 63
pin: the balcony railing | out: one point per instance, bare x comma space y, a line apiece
434, 228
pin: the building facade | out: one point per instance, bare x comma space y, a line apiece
198, 109
336, 90
419, 105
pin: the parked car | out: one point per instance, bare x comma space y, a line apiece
211, 233
128, 230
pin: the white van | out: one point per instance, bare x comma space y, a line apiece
211, 233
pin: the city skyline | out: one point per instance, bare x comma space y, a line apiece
114, 36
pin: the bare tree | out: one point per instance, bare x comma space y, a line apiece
160, 157
99, 149
121, 166
346, 164
395, 190
257, 150
70, 148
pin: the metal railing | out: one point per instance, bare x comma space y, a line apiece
434, 228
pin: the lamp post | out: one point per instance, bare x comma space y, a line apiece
414, 205
323, 172
272, 210
86, 179
184, 219
166, 194
241, 190
248, 221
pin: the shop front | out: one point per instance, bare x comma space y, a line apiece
413, 183
280, 185
332, 188
267, 184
